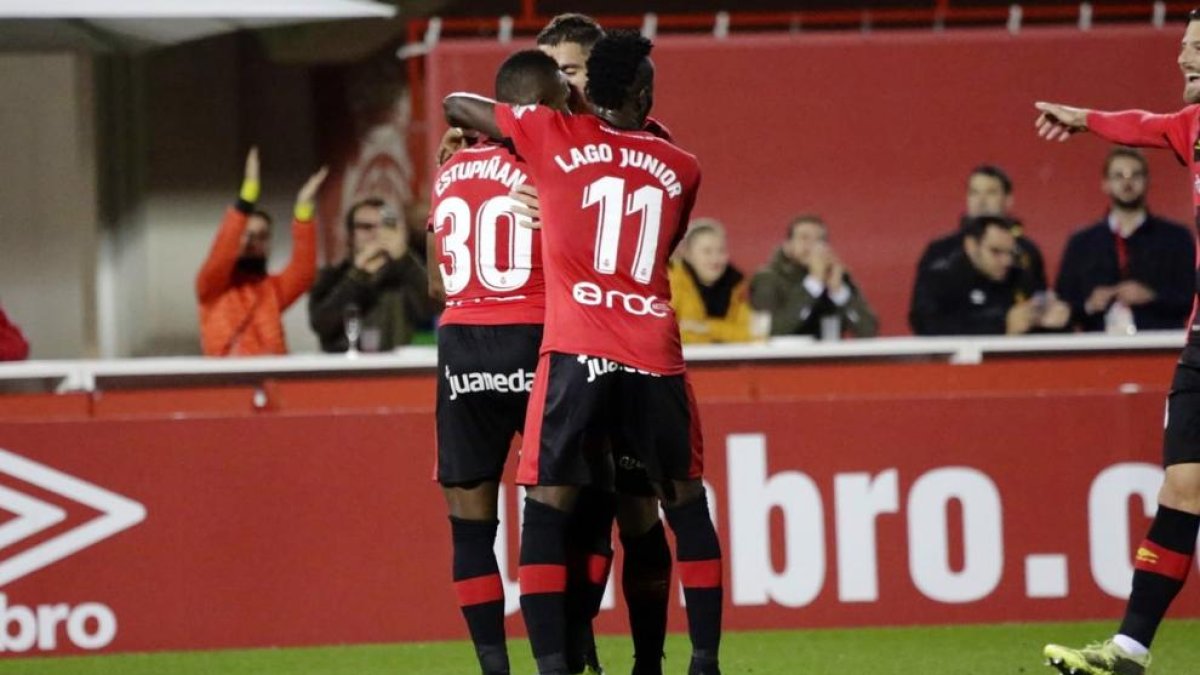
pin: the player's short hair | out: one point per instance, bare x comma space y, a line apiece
525, 76
613, 67
1123, 151
265, 216
375, 202
993, 171
805, 219
978, 226
701, 226
578, 28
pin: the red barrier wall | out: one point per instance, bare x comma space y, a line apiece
878, 132
893, 494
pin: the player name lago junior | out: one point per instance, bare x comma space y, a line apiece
494, 169
596, 153
466, 383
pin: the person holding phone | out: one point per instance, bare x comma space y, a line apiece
381, 283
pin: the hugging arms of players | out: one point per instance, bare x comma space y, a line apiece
1166, 555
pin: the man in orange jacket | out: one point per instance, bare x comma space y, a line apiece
241, 306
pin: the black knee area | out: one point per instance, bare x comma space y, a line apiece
648, 550
592, 520
1175, 530
544, 529
695, 536
474, 553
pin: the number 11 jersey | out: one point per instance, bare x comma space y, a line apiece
614, 204
489, 260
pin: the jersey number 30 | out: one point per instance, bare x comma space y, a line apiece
455, 213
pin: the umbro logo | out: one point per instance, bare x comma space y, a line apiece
35, 515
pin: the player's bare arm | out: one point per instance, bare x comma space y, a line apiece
471, 111
1059, 122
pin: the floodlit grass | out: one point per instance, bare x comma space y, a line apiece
1009, 649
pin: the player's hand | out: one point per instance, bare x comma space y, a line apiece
1055, 315
527, 205
1134, 293
393, 241
452, 141
251, 170
371, 258
308, 193
1099, 300
1020, 318
1059, 122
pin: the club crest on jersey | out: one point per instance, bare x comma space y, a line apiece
519, 111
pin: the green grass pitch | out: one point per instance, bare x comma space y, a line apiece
1009, 649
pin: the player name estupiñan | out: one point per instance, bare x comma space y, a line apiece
595, 153
495, 169
466, 383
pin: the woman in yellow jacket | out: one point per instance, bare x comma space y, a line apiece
710, 297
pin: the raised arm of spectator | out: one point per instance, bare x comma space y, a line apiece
13, 346
216, 274
295, 280
470, 111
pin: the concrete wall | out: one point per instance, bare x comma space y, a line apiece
48, 206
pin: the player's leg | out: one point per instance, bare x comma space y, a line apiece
645, 579
1164, 558
477, 583
668, 442
698, 553
553, 465
589, 562
474, 432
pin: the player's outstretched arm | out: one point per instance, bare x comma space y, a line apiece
471, 111
1058, 122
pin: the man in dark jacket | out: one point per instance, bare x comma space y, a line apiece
989, 193
806, 281
979, 290
1132, 265
381, 284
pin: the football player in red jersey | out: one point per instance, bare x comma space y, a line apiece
646, 571
1166, 555
615, 200
488, 340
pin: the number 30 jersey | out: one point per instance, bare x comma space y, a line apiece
614, 204
489, 261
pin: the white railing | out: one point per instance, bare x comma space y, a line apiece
86, 375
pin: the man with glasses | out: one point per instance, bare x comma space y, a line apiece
1132, 269
381, 283
979, 290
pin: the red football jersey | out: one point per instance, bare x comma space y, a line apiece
490, 264
614, 205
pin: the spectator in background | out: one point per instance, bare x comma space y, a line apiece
989, 193
1132, 269
13, 346
981, 291
805, 282
382, 280
241, 305
710, 296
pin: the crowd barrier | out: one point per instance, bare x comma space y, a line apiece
190, 504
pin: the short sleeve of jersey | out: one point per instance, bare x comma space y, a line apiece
527, 126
